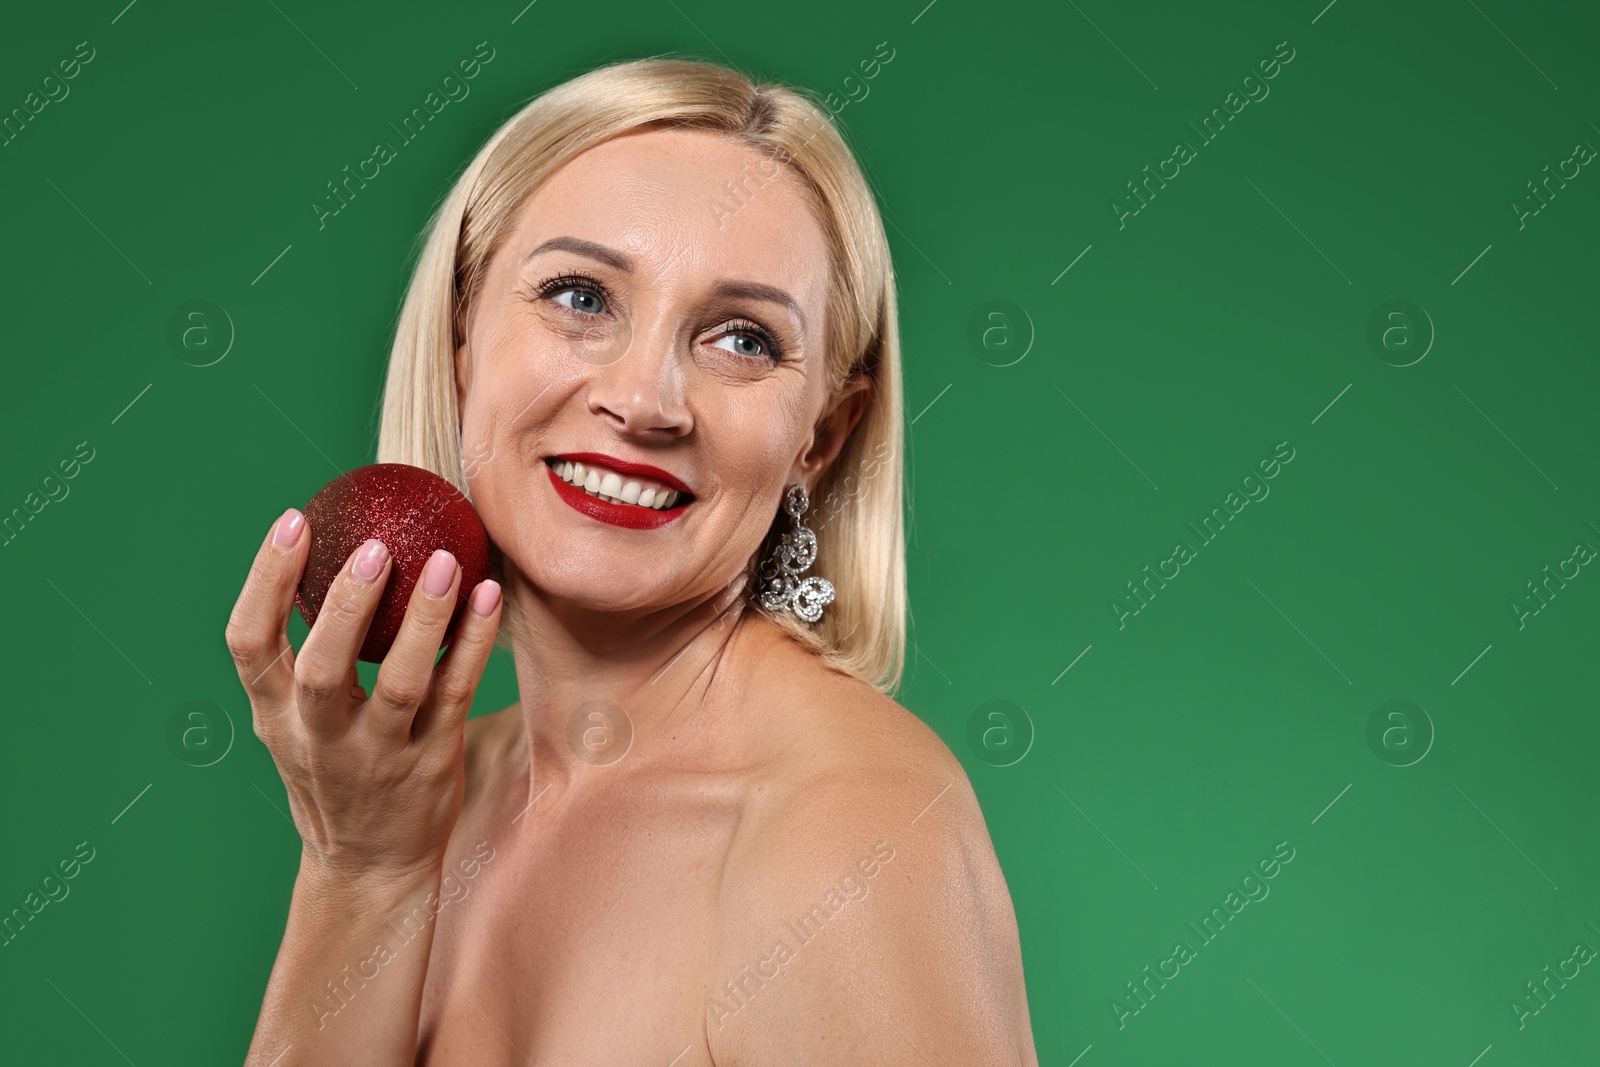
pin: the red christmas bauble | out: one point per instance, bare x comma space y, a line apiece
412, 511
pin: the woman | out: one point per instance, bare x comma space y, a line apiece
654, 321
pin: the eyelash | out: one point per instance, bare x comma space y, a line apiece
550, 287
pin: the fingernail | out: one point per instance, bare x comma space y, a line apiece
485, 597
439, 573
370, 560
287, 531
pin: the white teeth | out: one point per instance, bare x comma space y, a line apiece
609, 485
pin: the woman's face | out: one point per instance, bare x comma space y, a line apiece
643, 318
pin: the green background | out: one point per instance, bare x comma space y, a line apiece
1230, 314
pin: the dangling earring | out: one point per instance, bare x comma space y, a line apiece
781, 585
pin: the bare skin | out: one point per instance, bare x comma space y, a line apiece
650, 882
784, 866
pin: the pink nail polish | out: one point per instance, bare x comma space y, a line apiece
485, 597
439, 573
370, 560
287, 531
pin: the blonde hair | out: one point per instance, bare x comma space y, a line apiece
857, 502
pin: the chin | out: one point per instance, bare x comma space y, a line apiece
595, 581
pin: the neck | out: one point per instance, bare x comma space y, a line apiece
597, 689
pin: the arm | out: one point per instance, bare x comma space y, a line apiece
347, 985
375, 786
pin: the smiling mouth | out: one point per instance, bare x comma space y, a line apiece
613, 487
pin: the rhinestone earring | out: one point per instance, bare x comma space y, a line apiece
781, 584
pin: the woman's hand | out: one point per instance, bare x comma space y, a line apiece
375, 783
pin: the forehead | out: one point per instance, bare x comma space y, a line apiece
683, 203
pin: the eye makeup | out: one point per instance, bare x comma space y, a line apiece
773, 350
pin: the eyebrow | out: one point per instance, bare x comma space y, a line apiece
726, 288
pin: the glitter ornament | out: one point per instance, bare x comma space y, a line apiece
412, 511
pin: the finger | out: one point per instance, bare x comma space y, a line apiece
256, 634
326, 664
456, 677
403, 678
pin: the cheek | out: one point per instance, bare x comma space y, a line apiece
482, 446
752, 441
498, 439
479, 445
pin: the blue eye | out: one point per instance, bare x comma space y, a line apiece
583, 294
757, 342
581, 288
753, 346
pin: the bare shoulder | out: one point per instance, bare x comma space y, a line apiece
850, 758
864, 908
871, 761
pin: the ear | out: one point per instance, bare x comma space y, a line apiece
834, 428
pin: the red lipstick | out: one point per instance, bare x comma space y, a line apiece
630, 516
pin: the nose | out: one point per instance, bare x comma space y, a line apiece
641, 392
